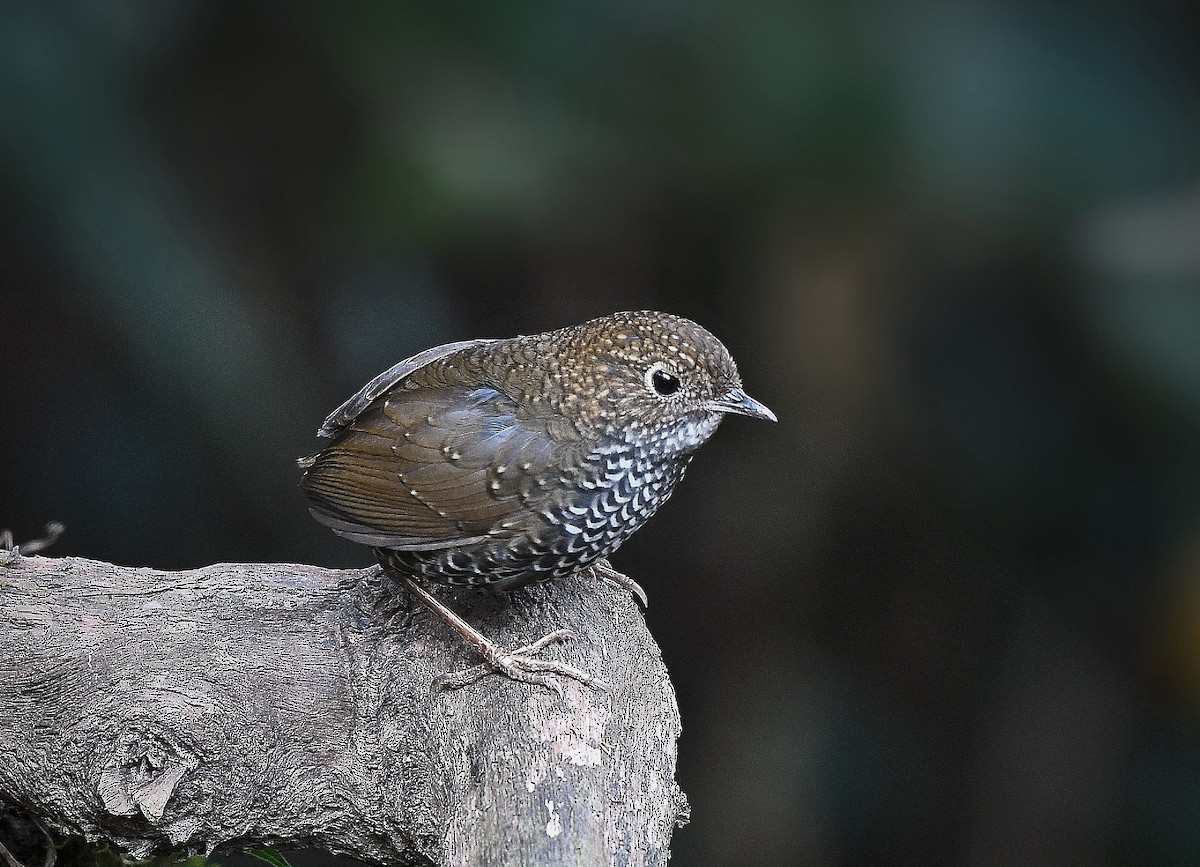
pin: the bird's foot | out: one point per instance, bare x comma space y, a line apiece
608, 573
518, 664
522, 665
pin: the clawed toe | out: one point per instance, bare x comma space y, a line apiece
521, 665
608, 573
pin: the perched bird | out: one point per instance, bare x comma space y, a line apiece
501, 462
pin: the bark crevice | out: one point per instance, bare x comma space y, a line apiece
275, 704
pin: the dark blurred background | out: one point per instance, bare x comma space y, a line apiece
947, 611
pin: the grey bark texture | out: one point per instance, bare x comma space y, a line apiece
245, 705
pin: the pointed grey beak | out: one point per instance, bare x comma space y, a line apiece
743, 404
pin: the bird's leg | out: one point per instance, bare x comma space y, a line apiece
608, 573
519, 664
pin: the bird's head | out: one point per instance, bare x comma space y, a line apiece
652, 377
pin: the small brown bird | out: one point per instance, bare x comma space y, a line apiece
501, 462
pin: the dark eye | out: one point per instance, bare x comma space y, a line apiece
664, 383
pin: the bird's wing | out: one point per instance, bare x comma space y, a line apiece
341, 417
426, 468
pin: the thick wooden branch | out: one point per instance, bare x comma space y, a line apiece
244, 705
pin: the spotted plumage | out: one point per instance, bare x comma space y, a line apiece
500, 462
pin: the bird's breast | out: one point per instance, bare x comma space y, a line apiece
624, 486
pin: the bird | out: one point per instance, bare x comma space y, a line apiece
500, 462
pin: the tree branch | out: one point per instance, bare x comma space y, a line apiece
244, 705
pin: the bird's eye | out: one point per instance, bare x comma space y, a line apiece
662, 382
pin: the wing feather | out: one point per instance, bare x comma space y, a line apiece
344, 415
418, 469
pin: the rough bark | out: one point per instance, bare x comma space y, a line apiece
268, 704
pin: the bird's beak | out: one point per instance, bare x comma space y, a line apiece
741, 403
